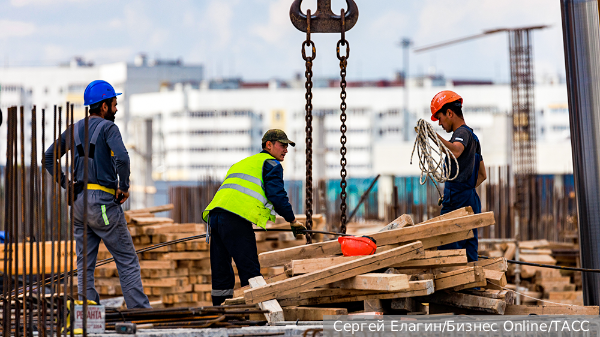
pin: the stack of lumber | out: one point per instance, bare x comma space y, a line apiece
179, 275
405, 273
552, 285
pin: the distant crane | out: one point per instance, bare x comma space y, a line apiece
523, 110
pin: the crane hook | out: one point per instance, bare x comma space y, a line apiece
323, 20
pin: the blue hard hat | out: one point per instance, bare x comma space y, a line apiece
98, 91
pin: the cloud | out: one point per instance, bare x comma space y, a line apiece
219, 17
21, 3
9, 28
278, 24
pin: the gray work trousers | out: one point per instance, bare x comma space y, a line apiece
106, 222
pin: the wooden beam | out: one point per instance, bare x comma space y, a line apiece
400, 222
459, 277
395, 236
497, 263
466, 301
452, 215
507, 295
375, 281
335, 273
495, 279
327, 296
431, 258
154, 209
275, 313
551, 310
144, 221
65, 247
239, 292
311, 314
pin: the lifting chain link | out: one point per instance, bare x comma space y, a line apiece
343, 63
308, 118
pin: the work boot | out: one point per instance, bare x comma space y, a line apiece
218, 300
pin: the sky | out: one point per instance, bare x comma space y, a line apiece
255, 40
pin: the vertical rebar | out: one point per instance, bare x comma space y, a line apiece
6, 279
86, 150
67, 187
23, 220
52, 224
43, 219
58, 182
72, 203
32, 201
40, 233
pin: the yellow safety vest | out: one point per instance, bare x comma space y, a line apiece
243, 192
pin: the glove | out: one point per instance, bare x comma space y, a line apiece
297, 228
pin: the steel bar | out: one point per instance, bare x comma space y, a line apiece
52, 225
57, 182
32, 200
43, 218
66, 260
23, 218
8, 247
86, 147
72, 218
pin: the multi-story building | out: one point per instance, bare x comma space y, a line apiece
380, 132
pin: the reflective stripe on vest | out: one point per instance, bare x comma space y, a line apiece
243, 192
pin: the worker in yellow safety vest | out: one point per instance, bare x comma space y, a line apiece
252, 193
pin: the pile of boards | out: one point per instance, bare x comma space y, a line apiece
179, 275
551, 285
406, 272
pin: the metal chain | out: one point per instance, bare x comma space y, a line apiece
308, 118
343, 128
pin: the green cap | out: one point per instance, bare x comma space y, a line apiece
277, 135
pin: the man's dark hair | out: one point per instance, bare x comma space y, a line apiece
455, 106
264, 145
95, 108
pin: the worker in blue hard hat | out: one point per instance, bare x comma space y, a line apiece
107, 189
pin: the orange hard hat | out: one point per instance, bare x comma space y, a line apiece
442, 98
356, 246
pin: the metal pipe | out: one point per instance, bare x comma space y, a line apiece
582, 46
32, 171
52, 224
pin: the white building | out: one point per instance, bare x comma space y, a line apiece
377, 127
56, 85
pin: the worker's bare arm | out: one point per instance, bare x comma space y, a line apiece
456, 148
481, 175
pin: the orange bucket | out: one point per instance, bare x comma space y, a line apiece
356, 246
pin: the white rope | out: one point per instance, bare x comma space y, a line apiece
432, 155
537, 299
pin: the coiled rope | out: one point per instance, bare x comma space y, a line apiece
432, 154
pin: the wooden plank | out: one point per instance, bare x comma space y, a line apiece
467, 301
172, 256
551, 310
452, 215
335, 273
431, 258
279, 277
275, 313
144, 221
154, 209
150, 264
533, 244
459, 277
65, 248
507, 295
400, 222
375, 281
165, 282
495, 279
191, 228
535, 258
129, 216
333, 295
311, 314
395, 236
511, 249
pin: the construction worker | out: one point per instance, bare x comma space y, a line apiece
251, 194
446, 108
107, 189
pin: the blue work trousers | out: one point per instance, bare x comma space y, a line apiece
106, 223
231, 236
